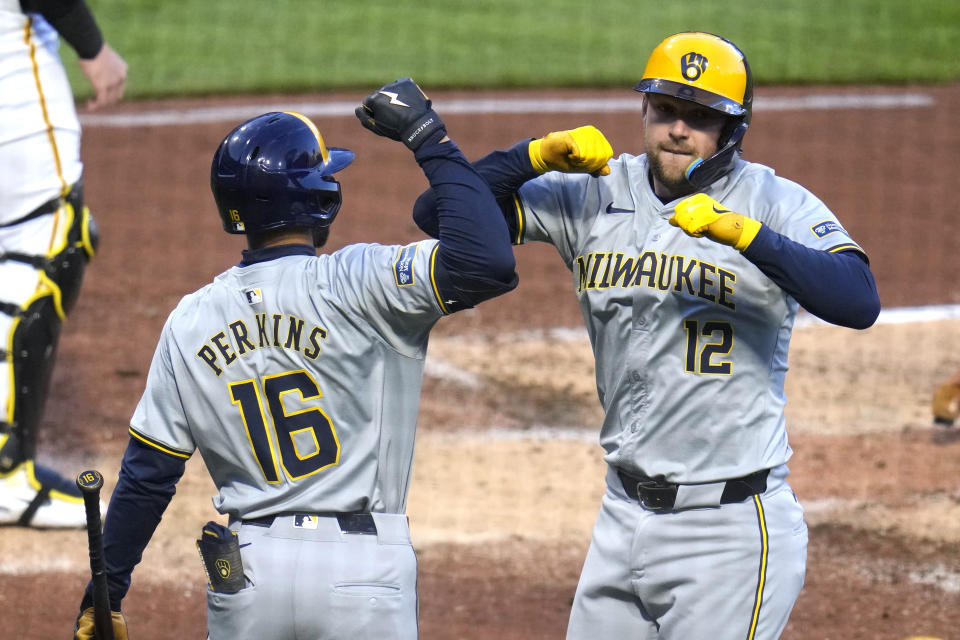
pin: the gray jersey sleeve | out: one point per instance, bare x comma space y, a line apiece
159, 418
556, 208
563, 208
787, 208
392, 287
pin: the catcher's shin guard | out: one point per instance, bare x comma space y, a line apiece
34, 347
31, 343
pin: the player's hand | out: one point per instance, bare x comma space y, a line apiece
83, 628
580, 150
700, 215
107, 73
946, 402
400, 111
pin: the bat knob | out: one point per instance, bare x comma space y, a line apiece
90, 481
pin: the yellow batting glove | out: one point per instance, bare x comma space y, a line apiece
580, 150
700, 215
83, 628
946, 401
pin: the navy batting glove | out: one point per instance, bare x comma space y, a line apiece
400, 111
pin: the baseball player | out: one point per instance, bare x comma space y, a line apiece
689, 265
47, 235
298, 378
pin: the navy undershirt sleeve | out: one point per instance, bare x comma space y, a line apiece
474, 260
505, 171
836, 287
73, 20
146, 483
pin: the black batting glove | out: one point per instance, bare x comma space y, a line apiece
400, 111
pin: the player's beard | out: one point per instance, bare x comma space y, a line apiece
672, 176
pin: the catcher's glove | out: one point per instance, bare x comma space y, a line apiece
946, 402
400, 111
83, 628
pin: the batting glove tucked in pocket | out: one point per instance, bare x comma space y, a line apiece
220, 552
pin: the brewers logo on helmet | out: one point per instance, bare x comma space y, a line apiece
713, 72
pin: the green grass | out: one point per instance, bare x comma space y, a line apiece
197, 47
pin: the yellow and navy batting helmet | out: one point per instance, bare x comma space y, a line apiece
713, 72
702, 68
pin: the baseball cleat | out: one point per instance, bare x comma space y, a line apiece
36, 496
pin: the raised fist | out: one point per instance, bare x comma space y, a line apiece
400, 111
580, 150
702, 216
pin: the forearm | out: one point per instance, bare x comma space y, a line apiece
474, 258
73, 20
503, 170
506, 170
836, 287
144, 488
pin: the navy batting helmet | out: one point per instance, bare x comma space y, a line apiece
274, 171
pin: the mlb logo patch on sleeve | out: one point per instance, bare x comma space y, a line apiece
403, 267
825, 228
253, 296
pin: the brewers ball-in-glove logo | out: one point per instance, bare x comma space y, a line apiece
692, 65
223, 567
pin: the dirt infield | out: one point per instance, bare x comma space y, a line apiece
508, 473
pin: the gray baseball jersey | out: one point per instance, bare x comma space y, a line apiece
328, 389
690, 340
672, 318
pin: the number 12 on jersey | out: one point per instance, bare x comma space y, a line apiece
718, 341
306, 441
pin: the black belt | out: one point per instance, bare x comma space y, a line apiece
659, 495
349, 522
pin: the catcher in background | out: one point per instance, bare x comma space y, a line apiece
47, 235
689, 265
946, 401
297, 377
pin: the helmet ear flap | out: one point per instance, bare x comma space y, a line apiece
702, 173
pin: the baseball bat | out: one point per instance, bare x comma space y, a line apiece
90, 482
